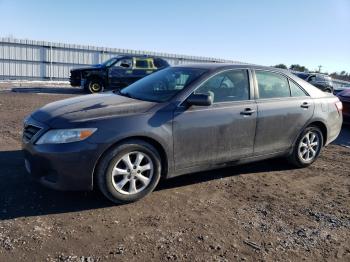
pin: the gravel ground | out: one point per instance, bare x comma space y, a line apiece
265, 211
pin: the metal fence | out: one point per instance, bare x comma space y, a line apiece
338, 84
40, 60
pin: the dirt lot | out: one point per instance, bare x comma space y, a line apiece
259, 212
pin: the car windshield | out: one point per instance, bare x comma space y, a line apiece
162, 85
109, 62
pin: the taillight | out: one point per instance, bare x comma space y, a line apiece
339, 106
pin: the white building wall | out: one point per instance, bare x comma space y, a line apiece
28, 59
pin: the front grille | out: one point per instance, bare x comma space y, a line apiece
75, 78
30, 131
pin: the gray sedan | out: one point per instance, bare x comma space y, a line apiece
177, 121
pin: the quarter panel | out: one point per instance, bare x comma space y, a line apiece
327, 113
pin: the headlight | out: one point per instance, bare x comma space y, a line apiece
61, 136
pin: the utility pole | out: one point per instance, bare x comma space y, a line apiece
319, 68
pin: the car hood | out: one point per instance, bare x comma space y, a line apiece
87, 68
90, 107
345, 93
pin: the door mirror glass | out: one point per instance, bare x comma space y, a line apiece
200, 100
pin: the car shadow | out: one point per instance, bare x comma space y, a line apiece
277, 164
22, 197
48, 90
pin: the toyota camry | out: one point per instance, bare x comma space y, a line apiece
179, 120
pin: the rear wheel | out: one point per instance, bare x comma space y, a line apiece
129, 172
307, 148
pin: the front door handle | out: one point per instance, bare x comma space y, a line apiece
248, 112
305, 105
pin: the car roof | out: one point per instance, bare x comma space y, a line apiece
219, 66
214, 67
136, 56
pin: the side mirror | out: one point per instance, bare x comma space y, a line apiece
200, 100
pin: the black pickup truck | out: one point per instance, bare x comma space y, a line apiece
115, 73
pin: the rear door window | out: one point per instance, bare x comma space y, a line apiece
272, 85
142, 63
296, 90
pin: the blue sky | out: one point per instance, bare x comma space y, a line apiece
267, 32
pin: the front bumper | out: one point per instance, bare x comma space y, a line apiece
62, 166
75, 78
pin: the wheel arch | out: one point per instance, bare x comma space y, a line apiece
156, 144
96, 77
322, 126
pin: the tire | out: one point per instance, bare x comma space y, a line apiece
306, 143
110, 180
328, 90
94, 86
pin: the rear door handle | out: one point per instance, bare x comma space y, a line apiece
305, 105
248, 112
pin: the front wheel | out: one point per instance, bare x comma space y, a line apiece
129, 172
307, 147
94, 86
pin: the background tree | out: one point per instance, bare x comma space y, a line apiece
343, 75
283, 66
299, 68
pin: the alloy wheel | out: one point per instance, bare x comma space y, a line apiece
95, 87
132, 173
309, 146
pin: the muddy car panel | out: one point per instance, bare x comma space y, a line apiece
188, 138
